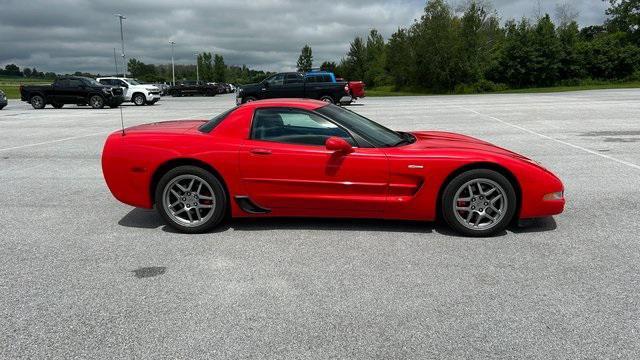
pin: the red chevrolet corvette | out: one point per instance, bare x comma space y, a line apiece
292, 157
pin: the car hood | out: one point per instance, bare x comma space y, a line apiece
447, 140
174, 127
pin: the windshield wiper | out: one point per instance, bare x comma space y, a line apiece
406, 139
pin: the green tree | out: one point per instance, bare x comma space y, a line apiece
435, 38
545, 64
355, 63
219, 69
374, 73
305, 60
624, 16
329, 66
205, 66
399, 58
571, 66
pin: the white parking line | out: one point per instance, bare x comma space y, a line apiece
54, 141
632, 165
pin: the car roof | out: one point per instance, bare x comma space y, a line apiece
306, 104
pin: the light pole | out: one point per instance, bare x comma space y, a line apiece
197, 70
173, 68
124, 65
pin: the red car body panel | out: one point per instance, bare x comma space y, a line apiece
402, 182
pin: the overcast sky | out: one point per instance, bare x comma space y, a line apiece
77, 35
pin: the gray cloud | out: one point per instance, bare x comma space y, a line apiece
79, 35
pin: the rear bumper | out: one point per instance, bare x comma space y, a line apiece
114, 100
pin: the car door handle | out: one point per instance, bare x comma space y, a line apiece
261, 151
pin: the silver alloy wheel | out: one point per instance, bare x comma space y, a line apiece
480, 204
36, 102
188, 200
96, 102
139, 99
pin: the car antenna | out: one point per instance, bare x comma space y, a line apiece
121, 120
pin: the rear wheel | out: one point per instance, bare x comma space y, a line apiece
37, 102
96, 102
479, 202
190, 199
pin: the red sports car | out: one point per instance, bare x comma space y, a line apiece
306, 158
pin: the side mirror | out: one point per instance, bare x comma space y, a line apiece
338, 145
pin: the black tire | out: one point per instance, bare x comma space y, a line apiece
113, 106
37, 102
139, 99
327, 99
219, 195
57, 106
2, 107
96, 101
458, 183
248, 99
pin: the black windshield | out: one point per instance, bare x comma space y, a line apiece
373, 132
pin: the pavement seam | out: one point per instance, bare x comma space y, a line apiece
623, 162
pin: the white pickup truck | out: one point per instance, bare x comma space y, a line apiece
134, 92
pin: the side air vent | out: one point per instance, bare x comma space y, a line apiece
247, 205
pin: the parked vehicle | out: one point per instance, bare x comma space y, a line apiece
72, 90
294, 85
192, 87
164, 88
3, 100
133, 90
305, 158
356, 88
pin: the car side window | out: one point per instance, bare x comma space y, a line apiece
291, 126
276, 80
105, 81
293, 79
74, 83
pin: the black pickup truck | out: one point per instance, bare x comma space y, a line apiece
191, 87
294, 85
72, 90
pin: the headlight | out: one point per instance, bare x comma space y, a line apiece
148, 89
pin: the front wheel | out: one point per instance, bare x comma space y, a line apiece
96, 102
479, 202
191, 199
327, 99
139, 99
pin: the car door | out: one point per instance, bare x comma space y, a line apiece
273, 87
59, 93
75, 92
293, 86
284, 164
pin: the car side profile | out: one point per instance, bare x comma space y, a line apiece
77, 90
3, 100
306, 158
133, 91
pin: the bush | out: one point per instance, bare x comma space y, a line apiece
479, 87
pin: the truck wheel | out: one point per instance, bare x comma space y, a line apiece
37, 102
327, 99
139, 99
248, 99
96, 102
57, 106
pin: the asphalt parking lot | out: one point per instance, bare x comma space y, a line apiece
84, 276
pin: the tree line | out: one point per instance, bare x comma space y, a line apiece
210, 68
469, 50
